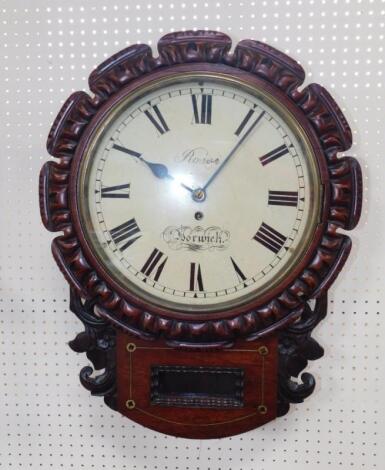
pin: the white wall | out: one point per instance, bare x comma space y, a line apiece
47, 420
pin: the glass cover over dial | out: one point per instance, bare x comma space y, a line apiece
199, 193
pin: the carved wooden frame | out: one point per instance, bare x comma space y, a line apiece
295, 348
318, 114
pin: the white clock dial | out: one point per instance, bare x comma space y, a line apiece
199, 194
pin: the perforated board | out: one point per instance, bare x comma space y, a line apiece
47, 420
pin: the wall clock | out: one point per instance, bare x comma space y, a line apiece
201, 198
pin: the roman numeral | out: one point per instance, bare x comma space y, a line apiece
238, 271
196, 282
121, 191
246, 119
157, 260
126, 150
283, 198
270, 238
274, 154
157, 120
125, 233
204, 116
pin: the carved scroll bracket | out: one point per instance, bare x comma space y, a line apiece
296, 347
98, 341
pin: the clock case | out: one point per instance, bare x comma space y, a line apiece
280, 321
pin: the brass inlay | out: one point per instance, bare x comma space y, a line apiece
186, 423
131, 347
263, 351
130, 404
188, 350
261, 409
130, 374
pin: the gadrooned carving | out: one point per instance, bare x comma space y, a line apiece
343, 183
295, 348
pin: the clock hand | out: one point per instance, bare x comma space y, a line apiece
158, 169
235, 148
161, 171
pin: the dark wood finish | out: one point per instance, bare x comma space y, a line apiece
257, 360
259, 65
295, 348
281, 319
98, 340
181, 323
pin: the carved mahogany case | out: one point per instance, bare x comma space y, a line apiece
200, 199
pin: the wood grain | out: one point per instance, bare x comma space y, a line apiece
260, 387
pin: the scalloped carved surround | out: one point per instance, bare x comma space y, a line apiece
287, 314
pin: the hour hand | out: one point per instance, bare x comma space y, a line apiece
161, 171
158, 169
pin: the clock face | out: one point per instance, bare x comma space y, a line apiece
199, 193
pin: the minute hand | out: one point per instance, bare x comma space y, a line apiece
239, 143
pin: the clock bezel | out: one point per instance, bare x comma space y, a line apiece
319, 114
140, 88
